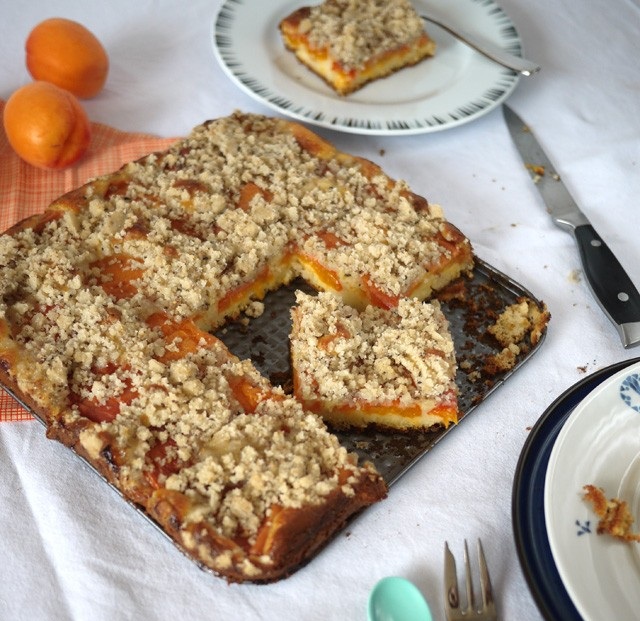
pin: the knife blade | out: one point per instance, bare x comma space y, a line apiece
607, 279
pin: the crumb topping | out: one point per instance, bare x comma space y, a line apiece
258, 460
519, 326
378, 356
110, 293
356, 30
190, 239
512, 324
518, 321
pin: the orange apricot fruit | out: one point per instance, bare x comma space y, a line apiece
67, 54
46, 125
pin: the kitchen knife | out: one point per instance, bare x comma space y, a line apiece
610, 284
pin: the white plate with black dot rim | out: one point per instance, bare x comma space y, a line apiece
456, 86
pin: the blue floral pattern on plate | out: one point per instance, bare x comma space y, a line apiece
630, 391
584, 528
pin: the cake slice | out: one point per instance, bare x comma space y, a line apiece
392, 368
351, 42
398, 247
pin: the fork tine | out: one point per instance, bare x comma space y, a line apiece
451, 595
468, 579
469, 582
485, 581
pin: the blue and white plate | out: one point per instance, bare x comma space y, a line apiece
598, 445
529, 527
454, 87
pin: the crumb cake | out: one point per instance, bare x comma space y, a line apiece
109, 297
518, 327
390, 368
349, 43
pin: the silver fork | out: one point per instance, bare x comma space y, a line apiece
452, 603
486, 48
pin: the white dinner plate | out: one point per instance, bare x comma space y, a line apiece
454, 87
598, 445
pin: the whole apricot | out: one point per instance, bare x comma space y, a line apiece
67, 54
46, 125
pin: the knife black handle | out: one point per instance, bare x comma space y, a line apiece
609, 282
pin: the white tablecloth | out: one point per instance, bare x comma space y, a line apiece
69, 549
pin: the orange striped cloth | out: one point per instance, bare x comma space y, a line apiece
25, 190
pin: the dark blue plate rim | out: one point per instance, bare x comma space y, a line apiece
530, 531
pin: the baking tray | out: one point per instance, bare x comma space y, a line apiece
265, 340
